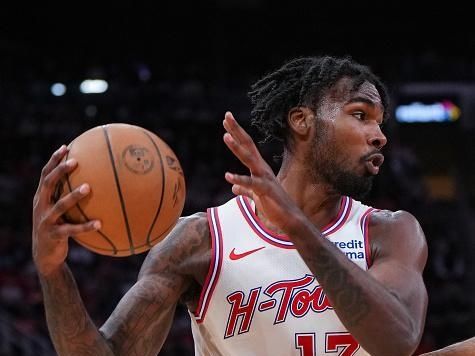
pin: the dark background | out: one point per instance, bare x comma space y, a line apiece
175, 69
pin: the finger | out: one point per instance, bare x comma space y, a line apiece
51, 180
236, 179
239, 151
229, 122
251, 159
240, 190
56, 157
53, 161
68, 201
236, 131
65, 230
243, 146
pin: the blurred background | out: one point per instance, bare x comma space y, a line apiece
175, 69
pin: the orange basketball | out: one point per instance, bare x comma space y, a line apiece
137, 188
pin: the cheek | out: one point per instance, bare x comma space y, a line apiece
343, 156
348, 148
351, 135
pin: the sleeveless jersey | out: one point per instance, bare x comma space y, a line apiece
260, 298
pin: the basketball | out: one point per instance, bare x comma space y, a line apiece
137, 188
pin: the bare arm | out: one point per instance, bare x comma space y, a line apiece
383, 309
72, 330
463, 348
142, 319
140, 323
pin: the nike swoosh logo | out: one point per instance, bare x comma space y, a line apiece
236, 256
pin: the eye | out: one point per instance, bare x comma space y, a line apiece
360, 115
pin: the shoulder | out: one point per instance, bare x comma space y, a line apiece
186, 244
400, 220
396, 232
196, 224
189, 230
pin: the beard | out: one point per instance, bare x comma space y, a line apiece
347, 183
330, 168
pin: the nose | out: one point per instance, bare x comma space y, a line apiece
377, 139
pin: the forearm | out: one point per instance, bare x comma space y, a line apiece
70, 327
373, 315
463, 348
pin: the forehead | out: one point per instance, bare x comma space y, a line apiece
343, 92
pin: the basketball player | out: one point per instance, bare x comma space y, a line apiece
294, 265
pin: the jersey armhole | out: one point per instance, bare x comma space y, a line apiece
214, 266
365, 218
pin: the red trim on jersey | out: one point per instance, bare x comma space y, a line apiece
214, 267
364, 223
341, 217
259, 222
284, 241
253, 221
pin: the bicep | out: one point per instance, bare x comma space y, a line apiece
142, 319
404, 282
400, 255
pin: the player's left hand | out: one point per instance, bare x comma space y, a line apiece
261, 185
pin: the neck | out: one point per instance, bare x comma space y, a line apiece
316, 199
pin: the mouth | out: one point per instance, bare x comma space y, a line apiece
374, 162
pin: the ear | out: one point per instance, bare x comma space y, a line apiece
301, 120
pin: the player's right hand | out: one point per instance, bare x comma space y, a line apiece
50, 233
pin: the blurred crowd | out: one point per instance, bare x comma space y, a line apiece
187, 113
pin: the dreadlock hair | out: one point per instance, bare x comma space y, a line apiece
303, 82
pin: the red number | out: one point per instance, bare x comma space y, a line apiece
343, 343
306, 344
335, 341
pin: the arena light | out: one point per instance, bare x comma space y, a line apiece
93, 86
439, 111
58, 89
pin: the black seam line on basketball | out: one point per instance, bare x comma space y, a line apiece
119, 191
104, 236
115, 250
69, 187
79, 241
163, 187
86, 217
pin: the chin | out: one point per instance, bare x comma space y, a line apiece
357, 187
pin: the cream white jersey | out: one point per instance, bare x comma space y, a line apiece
260, 298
